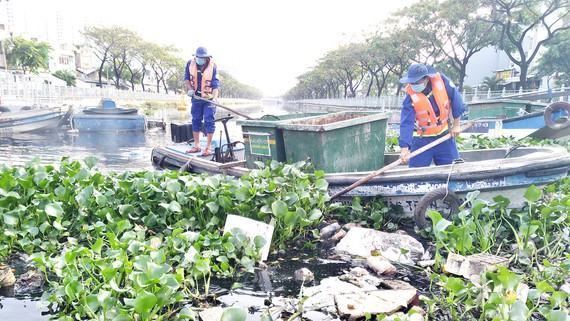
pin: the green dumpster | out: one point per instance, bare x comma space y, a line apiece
348, 141
262, 138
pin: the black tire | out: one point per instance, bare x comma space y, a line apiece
552, 108
424, 203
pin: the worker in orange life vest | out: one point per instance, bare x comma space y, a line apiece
201, 80
432, 108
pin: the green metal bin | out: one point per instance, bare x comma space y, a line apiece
263, 139
349, 141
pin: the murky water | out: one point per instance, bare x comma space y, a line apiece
277, 280
115, 151
22, 309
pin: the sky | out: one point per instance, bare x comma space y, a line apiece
266, 44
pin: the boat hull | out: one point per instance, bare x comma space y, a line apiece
502, 109
30, 121
98, 122
405, 186
487, 171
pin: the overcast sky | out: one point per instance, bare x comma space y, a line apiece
264, 43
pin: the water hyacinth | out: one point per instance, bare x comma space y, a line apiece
42, 204
127, 274
534, 238
144, 245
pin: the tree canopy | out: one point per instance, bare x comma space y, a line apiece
128, 59
445, 34
29, 55
555, 60
67, 76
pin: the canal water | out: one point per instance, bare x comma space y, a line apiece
114, 151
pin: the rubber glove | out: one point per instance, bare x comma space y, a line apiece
405, 155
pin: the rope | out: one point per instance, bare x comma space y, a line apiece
455, 161
447, 181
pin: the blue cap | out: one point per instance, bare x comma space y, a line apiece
202, 52
415, 73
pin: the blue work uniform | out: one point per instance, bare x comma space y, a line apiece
443, 153
202, 110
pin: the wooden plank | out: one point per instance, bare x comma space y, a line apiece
232, 164
204, 165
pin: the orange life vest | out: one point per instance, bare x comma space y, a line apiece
207, 75
427, 123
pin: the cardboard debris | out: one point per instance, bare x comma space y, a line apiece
251, 229
472, 266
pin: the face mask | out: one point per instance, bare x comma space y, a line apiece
200, 61
418, 87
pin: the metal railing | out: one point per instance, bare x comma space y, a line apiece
530, 94
384, 103
392, 103
18, 92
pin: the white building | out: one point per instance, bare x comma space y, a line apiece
59, 24
48, 21
62, 57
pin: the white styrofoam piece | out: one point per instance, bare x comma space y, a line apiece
251, 228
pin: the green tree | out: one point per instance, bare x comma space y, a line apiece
232, 88
132, 75
67, 76
555, 60
490, 83
519, 19
373, 58
142, 58
404, 48
462, 34
417, 27
122, 54
162, 60
450, 31
344, 63
29, 55
106, 43
175, 75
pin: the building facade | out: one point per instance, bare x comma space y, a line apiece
493, 62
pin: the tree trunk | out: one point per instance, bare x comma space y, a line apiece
370, 84
399, 87
142, 77
523, 75
164, 84
462, 72
380, 84
132, 78
117, 74
101, 73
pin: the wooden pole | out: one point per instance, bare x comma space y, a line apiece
224, 107
395, 164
